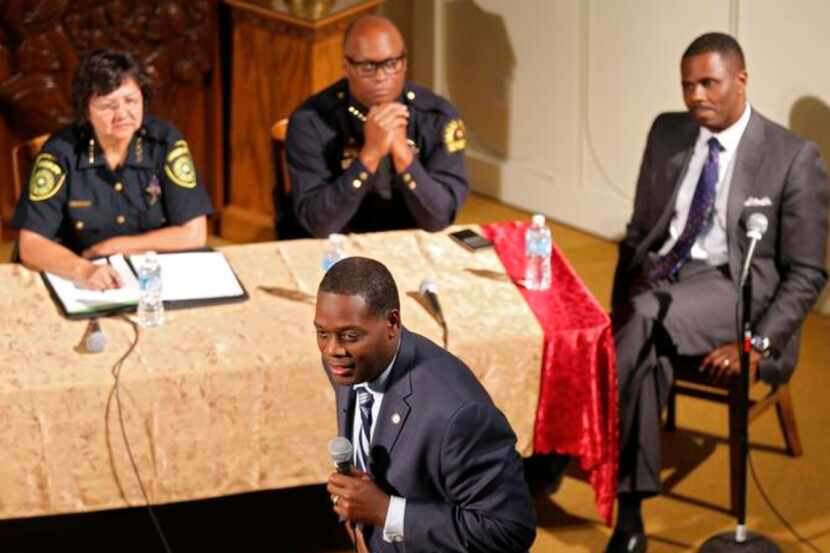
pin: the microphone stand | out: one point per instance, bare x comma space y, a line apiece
741, 540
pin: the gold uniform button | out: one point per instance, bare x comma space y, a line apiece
79, 225
412, 185
363, 175
119, 187
410, 95
120, 219
407, 177
341, 95
357, 183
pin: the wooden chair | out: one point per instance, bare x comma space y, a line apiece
23, 158
690, 382
286, 225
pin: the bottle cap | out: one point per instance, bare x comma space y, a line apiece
538, 220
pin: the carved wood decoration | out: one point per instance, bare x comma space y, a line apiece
42, 41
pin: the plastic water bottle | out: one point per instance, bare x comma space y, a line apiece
537, 254
150, 306
335, 250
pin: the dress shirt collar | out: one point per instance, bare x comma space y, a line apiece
730, 137
378, 385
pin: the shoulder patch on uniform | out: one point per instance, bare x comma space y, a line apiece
47, 178
455, 137
179, 165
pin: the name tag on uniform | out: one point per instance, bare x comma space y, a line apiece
80, 203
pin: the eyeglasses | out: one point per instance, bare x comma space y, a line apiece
391, 66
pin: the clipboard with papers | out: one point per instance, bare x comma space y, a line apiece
189, 279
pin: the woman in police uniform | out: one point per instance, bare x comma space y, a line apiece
116, 181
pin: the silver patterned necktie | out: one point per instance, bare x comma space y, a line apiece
365, 400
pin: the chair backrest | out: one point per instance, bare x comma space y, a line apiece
278, 133
286, 225
23, 156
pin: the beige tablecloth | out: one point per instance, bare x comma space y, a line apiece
231, 398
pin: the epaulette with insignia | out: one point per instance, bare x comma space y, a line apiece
332, 97
179, 165
425, 99
47, 178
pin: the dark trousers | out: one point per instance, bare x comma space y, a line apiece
690, 317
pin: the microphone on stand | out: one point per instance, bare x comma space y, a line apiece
342, 453
741, 540
429, 292
756, 226
95, 341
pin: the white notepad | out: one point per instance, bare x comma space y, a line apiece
77, 300
188, 278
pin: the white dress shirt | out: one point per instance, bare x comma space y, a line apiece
710, 246
393, 529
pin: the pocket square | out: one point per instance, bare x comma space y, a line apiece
752, 201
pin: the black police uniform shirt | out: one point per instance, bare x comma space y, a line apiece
333, 191
75, 198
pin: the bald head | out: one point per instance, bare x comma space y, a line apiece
374, 60
370, 26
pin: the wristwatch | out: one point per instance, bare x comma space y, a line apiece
761, 345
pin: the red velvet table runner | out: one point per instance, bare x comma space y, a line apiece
577, 411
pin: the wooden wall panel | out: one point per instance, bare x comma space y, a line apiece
177, 40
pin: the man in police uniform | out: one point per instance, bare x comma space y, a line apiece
373, 152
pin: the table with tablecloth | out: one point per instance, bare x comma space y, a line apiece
232, 398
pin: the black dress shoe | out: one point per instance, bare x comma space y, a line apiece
623, 541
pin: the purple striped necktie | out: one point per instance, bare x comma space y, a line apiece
698, 220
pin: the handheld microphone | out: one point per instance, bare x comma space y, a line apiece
95, 341
342, 453
756, 226
429, 291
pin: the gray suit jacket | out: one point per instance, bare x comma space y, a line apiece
788, 267
451, 455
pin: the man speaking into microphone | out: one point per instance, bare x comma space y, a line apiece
435, 464
707, 176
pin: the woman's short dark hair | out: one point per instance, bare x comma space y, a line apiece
101, 72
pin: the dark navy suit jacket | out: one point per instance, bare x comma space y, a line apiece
451, 455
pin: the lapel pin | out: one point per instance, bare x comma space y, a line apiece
396, 418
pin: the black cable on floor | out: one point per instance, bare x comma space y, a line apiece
781, 518
116, 373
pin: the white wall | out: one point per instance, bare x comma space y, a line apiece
558, 95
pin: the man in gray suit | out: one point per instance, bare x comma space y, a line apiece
437, 468
704, 172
